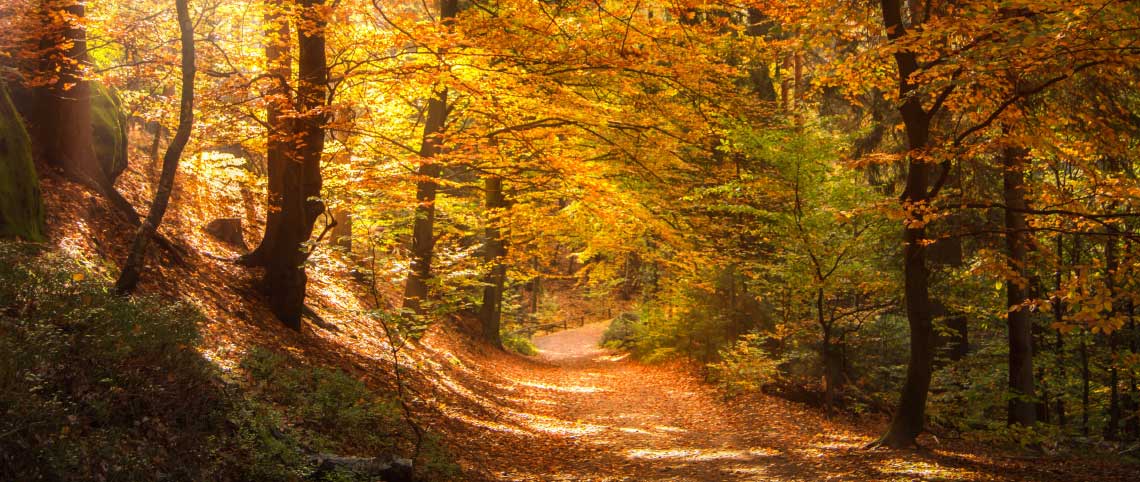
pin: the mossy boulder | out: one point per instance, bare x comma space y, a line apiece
21, 206
109, 124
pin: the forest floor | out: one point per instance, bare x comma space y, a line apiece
575, 412
583, 413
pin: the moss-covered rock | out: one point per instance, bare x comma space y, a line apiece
21, 206
109, 124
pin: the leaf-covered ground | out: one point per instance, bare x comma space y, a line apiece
575, 412
580, 412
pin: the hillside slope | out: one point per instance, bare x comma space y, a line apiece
576, 412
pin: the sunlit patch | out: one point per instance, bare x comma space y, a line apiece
914, 469
838, 442
670, 429
557, 426
612, 358
486, 424
696, 454
559, 388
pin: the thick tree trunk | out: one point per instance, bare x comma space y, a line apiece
63, 117
909, 419
491, 312
132, 268
1021, 409
279, 142
423, 227
285, 278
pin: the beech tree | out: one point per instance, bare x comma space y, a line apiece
294, 157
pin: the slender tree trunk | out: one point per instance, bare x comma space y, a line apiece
280, 131
1059, 318
129, 277
1112, 428
423, 227
1022, 408
909, 419
491, 312
1084, 351
1132, 405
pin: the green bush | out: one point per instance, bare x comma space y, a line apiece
519, 344
622, 332
745, 366
330, 407
95, 386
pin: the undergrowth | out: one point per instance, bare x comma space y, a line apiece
520, 344
94, 386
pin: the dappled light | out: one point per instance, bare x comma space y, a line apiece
569, 240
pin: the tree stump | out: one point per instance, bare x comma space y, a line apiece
227, 230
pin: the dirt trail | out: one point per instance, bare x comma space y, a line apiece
582, 413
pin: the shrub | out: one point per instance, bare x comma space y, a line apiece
519, 344
745, 366
622, 332
96, 386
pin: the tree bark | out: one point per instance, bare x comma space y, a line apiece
342, 230
132, 268
1022, 408
1112, 427
63, 122
1059, 318
285, 278
278, 150
909, 419
491, 312
423, 227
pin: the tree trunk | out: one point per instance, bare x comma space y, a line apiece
63, 122
1084, 386
909, 419
1021, 409
342, 230
491, 312
1059, 318
279, 143
285, 277
1112, 427
423, 227
132, 268
1132, 403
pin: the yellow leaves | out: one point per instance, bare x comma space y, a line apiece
77, 277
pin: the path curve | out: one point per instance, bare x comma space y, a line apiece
578, 412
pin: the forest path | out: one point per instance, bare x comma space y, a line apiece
579, 412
